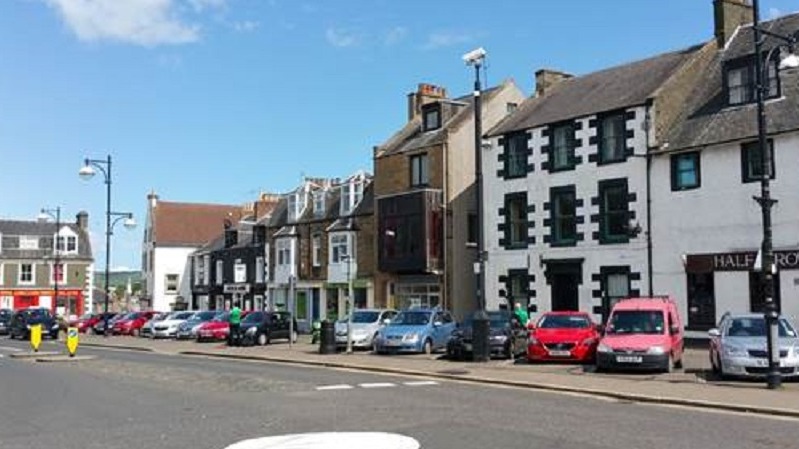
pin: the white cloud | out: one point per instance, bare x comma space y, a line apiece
340, 37
395, 35
246, 26
141, 22
773, 13
446, 39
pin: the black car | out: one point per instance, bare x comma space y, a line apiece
506, 337
5, 317
22, 320
263, 327
99, 327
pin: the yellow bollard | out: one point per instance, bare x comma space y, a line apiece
36, 337
72, 341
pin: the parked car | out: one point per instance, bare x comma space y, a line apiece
131, 323
88, 325
264, 327
5, 317
416, 330
168, 327
111, 318
642, 333
146, 330
188, 329
738, 347
366, 323
507, 337
218, 328
562, 336
19, 325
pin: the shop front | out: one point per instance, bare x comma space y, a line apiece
68, 303
248, 297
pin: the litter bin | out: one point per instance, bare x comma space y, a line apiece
327, 340
481, 330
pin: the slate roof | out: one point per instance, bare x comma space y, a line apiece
606, 90
411, 136
742, 43
46, 231
710, 121
189, 224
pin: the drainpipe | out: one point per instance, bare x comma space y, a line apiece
447, 305
649, 269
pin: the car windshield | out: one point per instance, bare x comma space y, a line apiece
36, 314
181, 316
563, 322
255, 317
203, 316
132, 316
222, 317
636, 322
362, 317
756, 327
411, 318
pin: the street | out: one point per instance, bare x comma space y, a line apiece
125, 399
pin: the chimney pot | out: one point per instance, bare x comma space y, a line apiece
82, 220
546, 79
728, 16
425, 93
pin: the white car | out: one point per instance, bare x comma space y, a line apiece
168, 327
365, 325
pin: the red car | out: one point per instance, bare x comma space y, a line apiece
216, 329
563, 336
132, 323
86, 323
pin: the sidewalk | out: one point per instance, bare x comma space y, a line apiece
688, 388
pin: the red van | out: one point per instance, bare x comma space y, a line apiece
642, 334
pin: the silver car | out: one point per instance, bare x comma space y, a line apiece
365, 325
168, 327
738, 347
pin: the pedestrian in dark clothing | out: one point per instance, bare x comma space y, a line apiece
234, 320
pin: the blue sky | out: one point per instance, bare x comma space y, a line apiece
215, 100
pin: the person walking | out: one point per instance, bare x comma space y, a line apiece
234, 320
521, 315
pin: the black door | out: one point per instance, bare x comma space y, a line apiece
701, 301
565, 294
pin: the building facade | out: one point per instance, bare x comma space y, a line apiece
30, 270
425, 200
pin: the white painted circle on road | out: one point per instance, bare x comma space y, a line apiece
330, 440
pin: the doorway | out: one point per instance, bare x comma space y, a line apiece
701, 301
564, 278
757, 297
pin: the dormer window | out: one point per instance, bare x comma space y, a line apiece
28, 242
319, 203
351, 194
431, 114
296, 204
740, 81
67, 244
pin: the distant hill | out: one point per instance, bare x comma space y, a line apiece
117, 278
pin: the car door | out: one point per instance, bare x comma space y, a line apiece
281, 325
676, 337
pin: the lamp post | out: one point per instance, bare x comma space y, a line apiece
350, 308
480, 327
45, 214
86, 173
773, 377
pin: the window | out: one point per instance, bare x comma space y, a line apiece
316, 250
741, 82
432, 117
612, 138
206, 270
319, 203
239, 272
757, 293
517, 287
296, 204
752, 163
259, 270
516, 155
471, 228
510, 108
516, 216
220, 270
171, 284
614, 211
351, 194
685, 171
26, 273
284, 252
419, 170
57, 273
561, 153
339, 246
67, 243
563, 215
199, 270
617, 287
28, 242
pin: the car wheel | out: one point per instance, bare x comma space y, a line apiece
678, 363
427, 348
262, 339
670, 365
89, 331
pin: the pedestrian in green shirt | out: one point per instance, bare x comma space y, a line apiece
521, 315
234, 319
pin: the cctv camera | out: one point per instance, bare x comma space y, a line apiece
474, 56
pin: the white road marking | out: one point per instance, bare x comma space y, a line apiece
420, 383
335, 387
10, 349
378, 385
331, 440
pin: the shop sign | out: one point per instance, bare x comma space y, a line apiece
745, 261
236, 288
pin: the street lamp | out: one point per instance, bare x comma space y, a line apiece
480, 326
350, 308
772, 315
87, 172
44, 215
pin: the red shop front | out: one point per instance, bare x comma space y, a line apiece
70, 301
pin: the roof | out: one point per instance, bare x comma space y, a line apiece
46, 231
709, 120
644, 303
742, 42
411, 136
614, 88
189, 224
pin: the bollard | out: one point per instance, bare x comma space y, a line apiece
481, 330
327, 340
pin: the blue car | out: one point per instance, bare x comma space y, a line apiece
416, 330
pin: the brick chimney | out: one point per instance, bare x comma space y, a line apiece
545, 79
425, 93
728, 16
82, 220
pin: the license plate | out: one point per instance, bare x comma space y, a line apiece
555, 353
629, 359
761, 363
